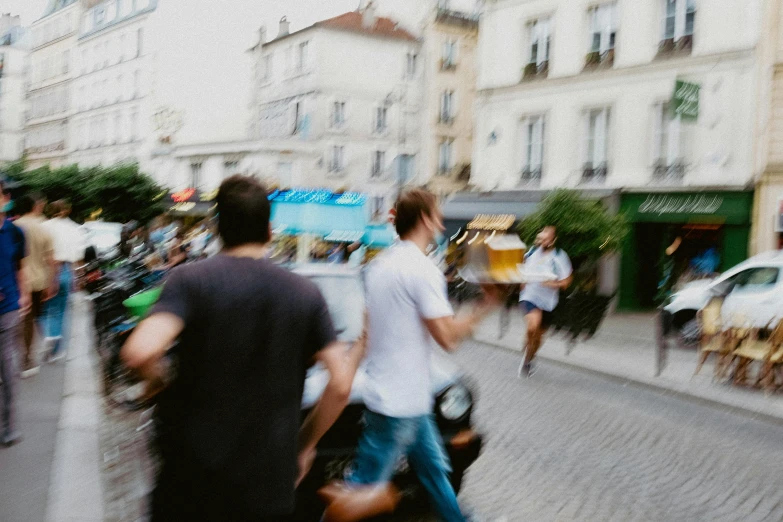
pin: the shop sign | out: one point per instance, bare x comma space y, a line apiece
685, 102
670, 204
183, 195
182, 207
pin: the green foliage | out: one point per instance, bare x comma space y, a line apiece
121, 193
585, 230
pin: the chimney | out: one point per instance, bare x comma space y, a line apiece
368, 15
284, 27
262, 35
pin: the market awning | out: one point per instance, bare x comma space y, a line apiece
379, 235
336, 217
191, 202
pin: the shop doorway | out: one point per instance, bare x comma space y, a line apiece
671, 255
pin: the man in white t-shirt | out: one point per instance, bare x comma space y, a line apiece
408, 315
69, 246
538, 300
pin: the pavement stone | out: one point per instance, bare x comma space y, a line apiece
624, 349
567, 445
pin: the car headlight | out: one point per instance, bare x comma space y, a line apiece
455, 404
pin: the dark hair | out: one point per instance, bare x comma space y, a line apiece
27, 203
411, 207
243, 211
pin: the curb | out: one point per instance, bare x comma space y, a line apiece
658, 387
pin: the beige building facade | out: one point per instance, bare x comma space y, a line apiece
449, 47
767, 231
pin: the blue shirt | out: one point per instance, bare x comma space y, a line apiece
12, 251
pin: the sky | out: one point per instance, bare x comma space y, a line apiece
300, 13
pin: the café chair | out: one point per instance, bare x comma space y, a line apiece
753, 350
712, 340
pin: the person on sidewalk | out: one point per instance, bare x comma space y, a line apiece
248, 330
14, 301
408, 313
538, 300
69, 247
41, 272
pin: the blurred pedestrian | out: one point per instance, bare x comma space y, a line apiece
41, 272
248, 331
539, 300
69, 247
357, 253
409, 313
14, 301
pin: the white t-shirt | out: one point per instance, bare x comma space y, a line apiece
403, 287
69, 240
554, 262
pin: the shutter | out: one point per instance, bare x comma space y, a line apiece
601, 137
658, 122
537, 140
585, 146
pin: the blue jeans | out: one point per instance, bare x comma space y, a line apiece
56, 319
386, 439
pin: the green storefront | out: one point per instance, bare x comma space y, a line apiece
678, 236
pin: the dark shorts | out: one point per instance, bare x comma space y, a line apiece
546, 317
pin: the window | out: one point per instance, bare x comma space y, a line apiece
678, 23
447, 107
750, 280
378, 161
195, 175
301, 63
381, 122
445, 156
99, 14
96, 57
106, 53
668, 151
118, 89
94, 95
444, 4
298, 118
134, 126
596, 145
66, 58
337, 159
118, 127
532, 165
121, 50
603, 33
105, 93
338, 114
268, 67
230, 168
449, 58
82, 98
139, 42
136, 84
410, 64
378, 203
538, 59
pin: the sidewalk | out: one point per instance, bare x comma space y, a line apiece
624, 349
53, 475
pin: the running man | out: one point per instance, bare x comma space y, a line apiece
538, 300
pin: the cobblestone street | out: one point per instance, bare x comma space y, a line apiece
567, 445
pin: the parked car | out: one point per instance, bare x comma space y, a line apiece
343, 291
753, 289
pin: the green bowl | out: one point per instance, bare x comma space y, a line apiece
140, 304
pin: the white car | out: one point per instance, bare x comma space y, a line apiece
753, 292
104, 236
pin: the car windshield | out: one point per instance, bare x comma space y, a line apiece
103, 235
344, 295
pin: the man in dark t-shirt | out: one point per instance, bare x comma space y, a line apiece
231, 442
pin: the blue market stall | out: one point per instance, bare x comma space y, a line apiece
318, 214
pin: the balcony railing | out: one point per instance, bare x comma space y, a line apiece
531, 175
535, 70
673, 173
594, 173
670, 46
